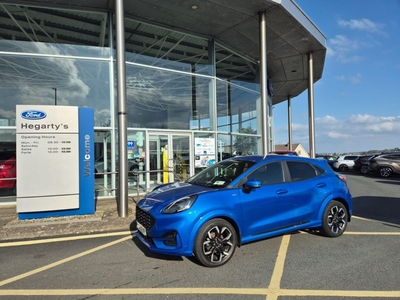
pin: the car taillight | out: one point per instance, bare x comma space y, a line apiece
6, 166
341, 177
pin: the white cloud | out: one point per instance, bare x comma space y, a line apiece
362, 24
299, 127
337, 135
330, 51
374, 124
343, 44
342, 48
356, 79
351, 134
327, 120
340, 78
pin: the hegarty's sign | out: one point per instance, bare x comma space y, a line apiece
55, 146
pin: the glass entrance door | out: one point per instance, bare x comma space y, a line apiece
170, 157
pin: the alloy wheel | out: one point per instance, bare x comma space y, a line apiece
336, 219
215, 243
385, 171
218, 245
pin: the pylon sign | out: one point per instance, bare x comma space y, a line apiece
55, 161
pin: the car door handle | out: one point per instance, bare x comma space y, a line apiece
280, 192
321, 185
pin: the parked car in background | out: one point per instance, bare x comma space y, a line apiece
241, 200
284, 152
8, 170
329, 159
385, 164
99, 167
344, 163
361, 164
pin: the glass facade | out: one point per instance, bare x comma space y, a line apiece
179, 88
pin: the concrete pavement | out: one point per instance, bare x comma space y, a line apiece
104, 220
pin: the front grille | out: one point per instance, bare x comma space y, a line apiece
144, 218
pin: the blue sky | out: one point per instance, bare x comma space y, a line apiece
357, 100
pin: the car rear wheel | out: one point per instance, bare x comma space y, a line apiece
385, 172
334, 221
215, 243
343, 168
364, 170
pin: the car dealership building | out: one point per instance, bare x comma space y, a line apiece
174, 84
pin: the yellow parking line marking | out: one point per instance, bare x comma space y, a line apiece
345, 294
63, 239
280, 263
371, 233
276, 277
57, 263
204, 291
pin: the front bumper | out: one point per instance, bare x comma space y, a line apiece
168, 234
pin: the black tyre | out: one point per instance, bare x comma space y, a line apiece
343, 168
385, 172
364, 170
133, 170
334, 221
215, 243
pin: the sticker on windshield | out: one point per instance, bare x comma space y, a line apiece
219, 182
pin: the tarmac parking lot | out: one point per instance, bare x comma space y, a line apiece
364, 263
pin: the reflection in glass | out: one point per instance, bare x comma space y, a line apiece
32, 80
166, 100
245, 144
237, 107
164, 48
53, 31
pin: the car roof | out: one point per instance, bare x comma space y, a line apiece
273, 157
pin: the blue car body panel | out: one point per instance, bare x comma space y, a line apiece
257, 213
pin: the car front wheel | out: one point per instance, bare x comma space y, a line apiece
343, 168
334, 221
215, 243
385, 172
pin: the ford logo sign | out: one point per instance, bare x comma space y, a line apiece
33, 114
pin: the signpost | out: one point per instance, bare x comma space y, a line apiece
55, 157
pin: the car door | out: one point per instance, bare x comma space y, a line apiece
268, 208
308, 187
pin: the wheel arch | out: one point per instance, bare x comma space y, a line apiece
339, 199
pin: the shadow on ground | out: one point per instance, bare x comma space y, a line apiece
384, 209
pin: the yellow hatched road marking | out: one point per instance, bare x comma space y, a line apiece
60, 262
63, 239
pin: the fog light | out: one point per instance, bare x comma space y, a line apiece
169, 239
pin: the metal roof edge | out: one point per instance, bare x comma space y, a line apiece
291, 7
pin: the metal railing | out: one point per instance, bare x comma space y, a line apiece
140, 189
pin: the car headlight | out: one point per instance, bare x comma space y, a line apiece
180, 205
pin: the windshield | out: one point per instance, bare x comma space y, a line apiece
221, 174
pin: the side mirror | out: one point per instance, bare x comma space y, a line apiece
251, 184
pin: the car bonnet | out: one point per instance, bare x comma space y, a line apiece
169, 193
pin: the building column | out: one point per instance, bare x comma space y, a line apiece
263, 84
122, 115
311, 133
289, 110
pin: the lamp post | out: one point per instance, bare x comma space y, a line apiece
55, 95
